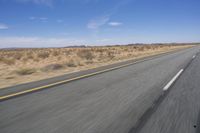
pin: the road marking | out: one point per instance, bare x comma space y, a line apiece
193, 56
69, 80
172, 80
77, 78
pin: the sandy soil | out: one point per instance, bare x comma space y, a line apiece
26, 65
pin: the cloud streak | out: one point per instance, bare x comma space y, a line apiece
3, 26
98, 22
114, 23
42, 19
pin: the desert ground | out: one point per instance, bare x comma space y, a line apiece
31, 64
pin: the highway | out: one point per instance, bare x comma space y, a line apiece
179, 112
157, 95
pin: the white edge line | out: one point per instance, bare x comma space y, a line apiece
172, 80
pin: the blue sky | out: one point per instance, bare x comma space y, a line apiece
57, 23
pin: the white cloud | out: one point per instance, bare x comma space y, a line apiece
3, 26
98, 22
38, 42
114, 23
42, 19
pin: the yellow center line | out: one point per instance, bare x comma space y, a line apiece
73, 79
66, 81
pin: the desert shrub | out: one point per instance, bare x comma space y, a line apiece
55, 53
80, 64
18, 56
43, 55
71, 63
101, 55
52, 67
36, 59
89, 62
29, 55
10, 77
8, 61
8, 54
25, 71
59, 58
126, 49
148, 47
24, 59
141, 48
85, 54
110, 54
100, 50
134, 47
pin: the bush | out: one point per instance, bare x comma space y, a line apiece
43, 55
29, 55
8, 61
111, 55
89, 62
55, 53
52, 67
25, 71
85, 54
18, 56
71, 63
141, 48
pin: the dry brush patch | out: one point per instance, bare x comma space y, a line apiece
25, 65
25, 71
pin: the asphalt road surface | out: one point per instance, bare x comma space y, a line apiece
179, 112
126, 100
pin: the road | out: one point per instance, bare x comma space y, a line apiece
179, 112
118, 101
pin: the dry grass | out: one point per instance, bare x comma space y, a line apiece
25, 71
25, 65
7, 61
86, 54
52, 67
71, 63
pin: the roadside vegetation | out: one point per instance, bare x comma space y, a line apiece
25, 65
